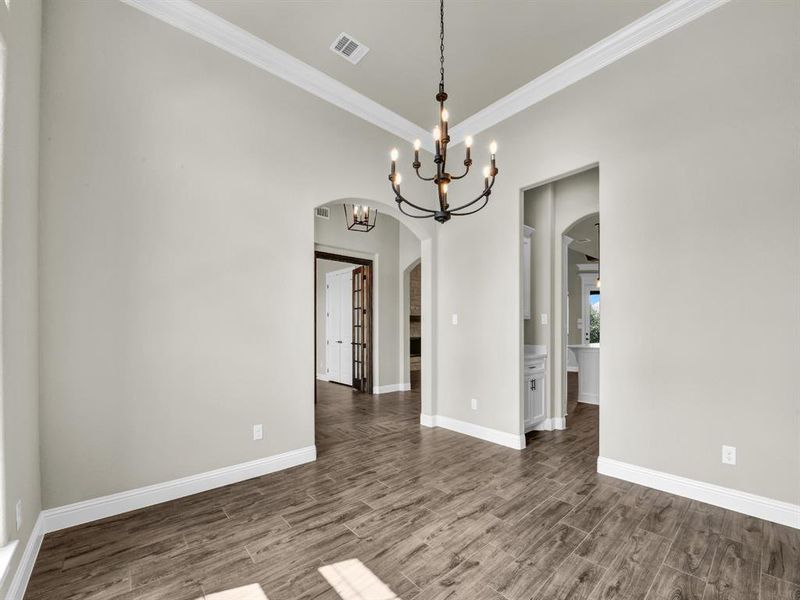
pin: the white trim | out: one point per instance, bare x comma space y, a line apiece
572, 369
650, 27
742, 502
23, 573
6, 556
587, 398
392, 387
495, 436
427, 420
115, 504
201, 23
207, 26
552, 424
322, 377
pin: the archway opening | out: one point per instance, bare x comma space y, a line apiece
398, 315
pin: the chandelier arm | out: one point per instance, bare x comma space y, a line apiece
473, 211
399, 196
464, 174
485, 194
408, 214
416, 170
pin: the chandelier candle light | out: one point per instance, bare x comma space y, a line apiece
442, 179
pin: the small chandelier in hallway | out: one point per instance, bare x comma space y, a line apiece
360, 217
443, 179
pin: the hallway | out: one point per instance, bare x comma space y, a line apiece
432, 514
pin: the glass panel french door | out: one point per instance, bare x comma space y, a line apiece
362, 328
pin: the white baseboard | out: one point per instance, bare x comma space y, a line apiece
427, 420
742, 502
495, 436
572, 369
392, 387
115, 504
322, 377
552, 424
588, 398
23, 573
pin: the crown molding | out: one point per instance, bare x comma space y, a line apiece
650, 27
201, 23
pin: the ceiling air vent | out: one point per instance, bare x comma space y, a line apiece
323, 212
348, 47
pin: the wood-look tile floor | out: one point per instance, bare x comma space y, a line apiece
432, 514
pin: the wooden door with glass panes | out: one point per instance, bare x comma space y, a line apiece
362, 328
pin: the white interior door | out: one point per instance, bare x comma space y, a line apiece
332, 312
339, 326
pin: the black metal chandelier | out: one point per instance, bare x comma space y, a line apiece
442, 179
359, 217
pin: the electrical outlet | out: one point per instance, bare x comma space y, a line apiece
543, 318
729, 455
474, 404
258, 432
19, 514
454, 319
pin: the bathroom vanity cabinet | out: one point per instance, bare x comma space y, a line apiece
535, 380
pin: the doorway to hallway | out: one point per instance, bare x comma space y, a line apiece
343, 319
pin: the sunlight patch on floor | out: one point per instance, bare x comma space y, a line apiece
354, 581
247, 592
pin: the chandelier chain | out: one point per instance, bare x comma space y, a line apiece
441, 43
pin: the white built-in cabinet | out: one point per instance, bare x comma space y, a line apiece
527, 235
534, 409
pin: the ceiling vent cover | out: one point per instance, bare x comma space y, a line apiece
323, 212
346, 46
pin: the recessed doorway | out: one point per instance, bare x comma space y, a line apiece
343, 319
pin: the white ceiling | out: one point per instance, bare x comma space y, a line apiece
492, 46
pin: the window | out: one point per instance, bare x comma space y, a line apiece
594, 317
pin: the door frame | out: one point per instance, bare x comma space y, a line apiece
353, 260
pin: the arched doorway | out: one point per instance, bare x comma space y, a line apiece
390, 252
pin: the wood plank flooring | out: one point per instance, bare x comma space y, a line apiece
430, 515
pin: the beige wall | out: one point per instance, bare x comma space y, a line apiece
177, 239
696, 140
20, 29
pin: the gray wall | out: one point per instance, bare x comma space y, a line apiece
20, 29
696, 140
177, 239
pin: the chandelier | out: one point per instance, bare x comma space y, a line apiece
443, 179
360, 217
